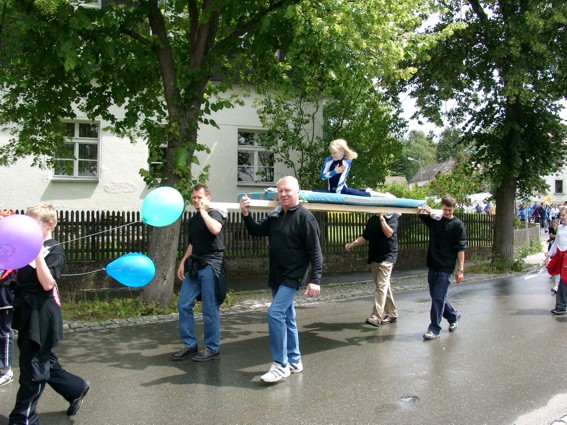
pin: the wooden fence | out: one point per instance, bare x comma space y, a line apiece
106, 235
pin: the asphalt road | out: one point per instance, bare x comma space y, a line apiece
502, 366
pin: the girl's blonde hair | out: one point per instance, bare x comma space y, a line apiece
43, 212
341, 144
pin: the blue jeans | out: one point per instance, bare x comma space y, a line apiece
204, 284
6, 339
284, 339
440, 307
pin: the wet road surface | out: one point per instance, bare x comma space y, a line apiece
502, 366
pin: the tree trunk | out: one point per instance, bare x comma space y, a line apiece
162, 250
503, 246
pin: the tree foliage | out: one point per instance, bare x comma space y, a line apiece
168, 64
463, 180
501, 65
416, 145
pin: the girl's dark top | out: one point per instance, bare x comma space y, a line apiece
446, 239
294, 244
37, 313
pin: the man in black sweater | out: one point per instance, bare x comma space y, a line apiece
447, 244
294, 244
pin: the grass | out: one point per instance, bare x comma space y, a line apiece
497, 266
99, 310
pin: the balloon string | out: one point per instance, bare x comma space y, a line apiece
97, 233
81, 274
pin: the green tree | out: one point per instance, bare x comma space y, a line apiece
463, 180
451, 145
156, 59
501, 64
416, 145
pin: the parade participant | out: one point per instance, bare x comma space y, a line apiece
555, 259
38, 320
202, 271
381, 234
294, 244
336, 168
447, 244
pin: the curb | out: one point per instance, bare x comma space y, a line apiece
260, 300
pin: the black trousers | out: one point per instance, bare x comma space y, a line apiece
66, 384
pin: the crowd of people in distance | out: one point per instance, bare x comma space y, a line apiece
539, 212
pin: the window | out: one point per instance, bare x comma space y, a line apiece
78, 158
255, 163
558, 186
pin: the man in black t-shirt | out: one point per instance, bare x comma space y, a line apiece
202, 271
447, 244
381, 233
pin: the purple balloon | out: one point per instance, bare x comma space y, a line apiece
21, 239
132, 270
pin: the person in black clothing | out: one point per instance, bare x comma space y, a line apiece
447, 244
381, 233
294, 244
202, 272
37, 318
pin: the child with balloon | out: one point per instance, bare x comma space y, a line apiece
38, 319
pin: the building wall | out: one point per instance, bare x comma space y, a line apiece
561, 195
120, 187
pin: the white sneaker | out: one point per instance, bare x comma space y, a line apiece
296, 367
276, 372
7, 377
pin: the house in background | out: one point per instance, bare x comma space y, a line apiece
556, 182
100, 171
428, 172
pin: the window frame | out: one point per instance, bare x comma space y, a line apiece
256, 150
555, 184
76, 142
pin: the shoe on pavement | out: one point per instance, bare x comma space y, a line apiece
558, 312
7, 377
77, 403
389, 319
276, 373
374, 321
206, 355
184, 353
453, 326
296, 367
429, 335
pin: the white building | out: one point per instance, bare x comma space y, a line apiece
105, 174
557, 186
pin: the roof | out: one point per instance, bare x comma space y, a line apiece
430, 171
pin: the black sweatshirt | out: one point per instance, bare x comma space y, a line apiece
294, 243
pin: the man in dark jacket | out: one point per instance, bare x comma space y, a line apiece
447, 244
294, 244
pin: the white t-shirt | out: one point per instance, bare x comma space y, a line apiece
560, 242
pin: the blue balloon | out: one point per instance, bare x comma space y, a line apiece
162, 206
134, 270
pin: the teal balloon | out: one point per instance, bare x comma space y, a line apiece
134, 270
162, 206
